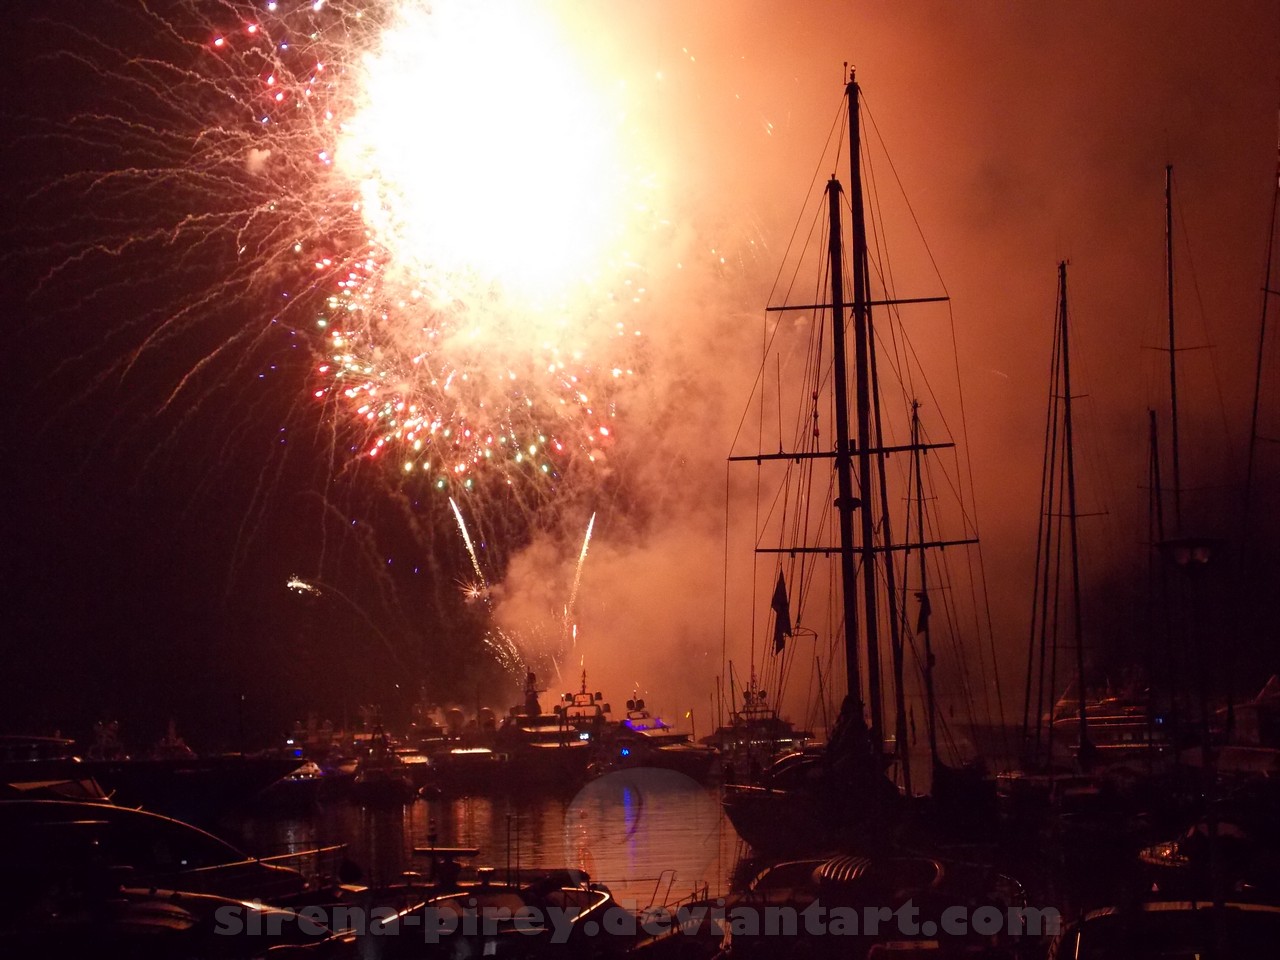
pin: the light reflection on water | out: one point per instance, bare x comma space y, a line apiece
651, 835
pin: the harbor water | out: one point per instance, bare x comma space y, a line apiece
653, 836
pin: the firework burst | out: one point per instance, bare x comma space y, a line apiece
470, 321
444, 208
437, 198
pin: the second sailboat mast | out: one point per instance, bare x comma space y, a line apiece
862, 412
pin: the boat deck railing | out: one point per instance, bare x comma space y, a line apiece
314, 867
317, 864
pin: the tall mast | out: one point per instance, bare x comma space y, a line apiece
1158, 592
925, 610
845, 503
857, 732
1173, 346
1262, 343
862, 386
1084, 753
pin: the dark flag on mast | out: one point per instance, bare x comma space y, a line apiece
782, 614
926, 611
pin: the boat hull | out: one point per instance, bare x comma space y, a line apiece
192, 789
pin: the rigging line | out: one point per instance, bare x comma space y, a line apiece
944, 578
977, 548
1034, 647
809, 440
888, 568
884, 273
813, 192
895, 329
883, 262
777, 373
725, 581
1204, 322
757, 385
939, 408
907, 200
963, 417
952, 632
768, 339
1261, 353
814, 667
976, 579
816, 221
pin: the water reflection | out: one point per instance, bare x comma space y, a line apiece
652, 835
633, 826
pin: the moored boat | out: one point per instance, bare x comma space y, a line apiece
381, 776
754, 737
857, 790
550, 912
1171, 928
45, 840
45, 768
641, 739
531, 749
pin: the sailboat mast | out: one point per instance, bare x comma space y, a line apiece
1158, 590
1173, 347
1084, 751
846, 503
862, 385
930, 707
1262, 345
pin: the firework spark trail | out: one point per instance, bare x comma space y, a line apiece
577, 576
466, 538
505, 651
315, 589
298, 585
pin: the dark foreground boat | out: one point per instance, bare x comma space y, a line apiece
108, 921
195, 788
46, 842
45, 768
190, 787
855, 906
553, 913
1161, 930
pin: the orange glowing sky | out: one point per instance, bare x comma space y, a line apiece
659, 194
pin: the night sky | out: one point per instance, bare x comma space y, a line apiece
168, 468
